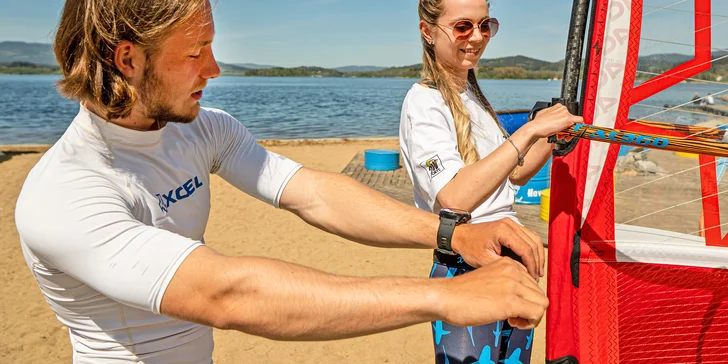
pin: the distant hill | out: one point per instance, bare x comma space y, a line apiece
253, 66
517, 67
23, 58
412, 71
663, 60
232, 69
657, 63
36, 53
522, 67
38, 58
24, 68
346, 69
295, 72
527, 63
668, 60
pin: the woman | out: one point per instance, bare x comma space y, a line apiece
459, 157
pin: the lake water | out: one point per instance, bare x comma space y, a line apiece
32, 112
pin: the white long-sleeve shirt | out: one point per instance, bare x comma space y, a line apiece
429, 145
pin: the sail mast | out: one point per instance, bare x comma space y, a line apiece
574, 52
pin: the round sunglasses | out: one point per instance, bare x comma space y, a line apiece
463, 29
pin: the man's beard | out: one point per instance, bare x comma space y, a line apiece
159, 109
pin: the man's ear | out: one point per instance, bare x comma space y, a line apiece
129, 59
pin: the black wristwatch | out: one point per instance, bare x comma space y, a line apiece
449, 218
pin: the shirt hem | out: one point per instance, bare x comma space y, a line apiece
277, 202
170, 274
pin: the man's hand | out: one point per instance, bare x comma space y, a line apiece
480, 244
498, 291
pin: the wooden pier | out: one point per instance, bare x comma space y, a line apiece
717, 109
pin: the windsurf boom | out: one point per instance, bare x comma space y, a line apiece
702, 141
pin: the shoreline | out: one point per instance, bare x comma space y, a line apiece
637, 81
313, 76
38, 148
41, 147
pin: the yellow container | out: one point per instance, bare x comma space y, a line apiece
687, 155
545, 204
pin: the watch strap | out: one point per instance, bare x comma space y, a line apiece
444, 233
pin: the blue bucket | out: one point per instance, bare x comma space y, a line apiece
721, 165
512, 122
530, 194
623, 150
381, 159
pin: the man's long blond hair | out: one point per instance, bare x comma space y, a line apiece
88, 34
440, 78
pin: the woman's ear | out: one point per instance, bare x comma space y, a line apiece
426, 32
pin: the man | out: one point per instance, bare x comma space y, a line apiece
112, 218
696, 99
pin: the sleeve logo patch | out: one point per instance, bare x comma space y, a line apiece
433, 166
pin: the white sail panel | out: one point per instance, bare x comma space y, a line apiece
637, 244
609, 94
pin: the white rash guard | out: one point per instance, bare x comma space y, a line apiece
108, 215
429, 146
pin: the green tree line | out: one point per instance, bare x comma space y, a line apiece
25, 68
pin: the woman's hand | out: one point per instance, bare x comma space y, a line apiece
550, 121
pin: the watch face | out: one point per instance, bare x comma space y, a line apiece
460, 216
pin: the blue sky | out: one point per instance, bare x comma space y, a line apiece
332, 33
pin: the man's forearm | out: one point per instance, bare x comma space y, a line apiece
283, 301
345, 207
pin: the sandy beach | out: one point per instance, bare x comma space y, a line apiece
239, 225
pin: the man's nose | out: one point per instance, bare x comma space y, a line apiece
211, 69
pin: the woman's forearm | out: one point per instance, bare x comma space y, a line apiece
475, 183
537, 157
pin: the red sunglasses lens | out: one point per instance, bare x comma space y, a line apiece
464, 28
491, 25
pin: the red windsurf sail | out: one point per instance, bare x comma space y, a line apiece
628, 293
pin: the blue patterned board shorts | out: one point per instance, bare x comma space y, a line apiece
496, 343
